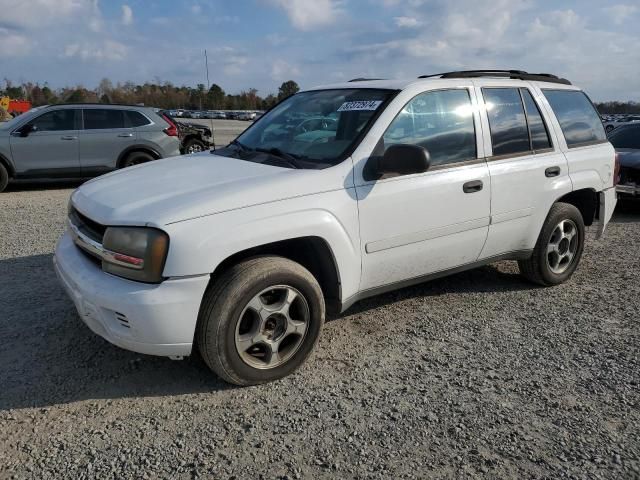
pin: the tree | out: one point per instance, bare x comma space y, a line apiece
287, 89
77, 96
215, 97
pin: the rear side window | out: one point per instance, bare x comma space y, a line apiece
136, 119
440, 121
507, 121
99, 119
577, 116
626, 137
537, 128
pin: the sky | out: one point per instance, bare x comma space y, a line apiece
261, 43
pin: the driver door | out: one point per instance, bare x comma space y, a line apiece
51, 149
419, 224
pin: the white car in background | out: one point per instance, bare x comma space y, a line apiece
240, 253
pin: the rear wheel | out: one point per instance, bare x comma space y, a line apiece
136, 158
558, 249
260, 320
4, 178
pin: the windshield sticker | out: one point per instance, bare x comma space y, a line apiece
360, 105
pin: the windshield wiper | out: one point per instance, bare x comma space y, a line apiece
276, 152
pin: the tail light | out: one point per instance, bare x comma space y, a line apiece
616, 170
172, 129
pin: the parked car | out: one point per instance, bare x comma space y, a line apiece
619, 121
247, 116
626, 140
239, 253
193, 137
82, 140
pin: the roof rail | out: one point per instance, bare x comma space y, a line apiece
78, 104
362, 79
513, 74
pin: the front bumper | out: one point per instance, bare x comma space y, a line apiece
151, 319
629, 189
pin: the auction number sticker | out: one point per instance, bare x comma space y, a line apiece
360, 105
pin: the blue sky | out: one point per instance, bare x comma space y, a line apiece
261, 43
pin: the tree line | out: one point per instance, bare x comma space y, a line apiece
168, 96
159, 94
618, 107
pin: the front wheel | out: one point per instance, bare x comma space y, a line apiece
558, 249
194, 146
260, 320
4, 178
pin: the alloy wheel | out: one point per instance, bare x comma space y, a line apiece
272, 327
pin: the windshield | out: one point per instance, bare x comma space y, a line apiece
312, 129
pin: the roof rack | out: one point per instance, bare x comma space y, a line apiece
513, 74
362, 79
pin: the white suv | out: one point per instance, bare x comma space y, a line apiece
336, 194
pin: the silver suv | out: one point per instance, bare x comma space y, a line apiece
82, 140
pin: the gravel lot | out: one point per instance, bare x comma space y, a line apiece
479, 375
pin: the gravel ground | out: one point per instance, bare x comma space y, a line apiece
479, 375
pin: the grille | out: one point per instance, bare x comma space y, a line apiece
91, 229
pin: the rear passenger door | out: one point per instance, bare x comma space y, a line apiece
106, 134
528, 170
582, 138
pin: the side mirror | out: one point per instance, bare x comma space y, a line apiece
25, 130
402, 159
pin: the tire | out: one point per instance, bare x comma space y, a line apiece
229, 323
609, 128
559, 247
194, 146
136, 158
4, 178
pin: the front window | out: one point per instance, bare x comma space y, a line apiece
314, 129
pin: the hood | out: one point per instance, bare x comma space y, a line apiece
629, 158
180, 188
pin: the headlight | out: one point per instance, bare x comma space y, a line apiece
136, 253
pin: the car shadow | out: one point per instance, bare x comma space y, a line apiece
492, 278
28, 186
50, 357
627, 211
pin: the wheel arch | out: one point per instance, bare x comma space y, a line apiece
312, 252
585, 200
137, 148
7, 164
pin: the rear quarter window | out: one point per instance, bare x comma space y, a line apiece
136, 119
578, 118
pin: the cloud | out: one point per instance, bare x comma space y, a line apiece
127, 15
309, 15
109, 50
282, 70
36, 13
406, 22
13, 44
620, 13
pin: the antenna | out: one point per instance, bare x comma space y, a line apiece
206, 66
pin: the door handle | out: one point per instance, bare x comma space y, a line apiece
69, 137
125, 135
552, 172
472, 186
